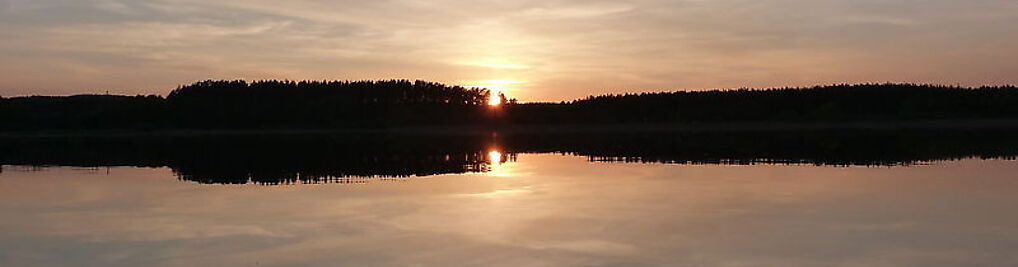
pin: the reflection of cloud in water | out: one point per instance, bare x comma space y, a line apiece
498, 193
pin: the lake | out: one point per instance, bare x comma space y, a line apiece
885, 198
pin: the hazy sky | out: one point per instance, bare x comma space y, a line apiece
537, 50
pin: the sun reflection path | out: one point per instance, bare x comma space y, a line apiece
495, 163
495, 157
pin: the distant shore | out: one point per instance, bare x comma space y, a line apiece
404, 106
980, 124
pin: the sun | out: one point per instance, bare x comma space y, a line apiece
495, 98
496, 88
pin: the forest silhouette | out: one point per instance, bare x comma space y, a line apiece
257, 105
397, 103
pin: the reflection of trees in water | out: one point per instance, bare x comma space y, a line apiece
332, 167
322, 158
348, 165
837, 148
268, 159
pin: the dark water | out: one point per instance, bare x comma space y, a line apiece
889, 198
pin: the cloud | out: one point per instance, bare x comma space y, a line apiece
563, 48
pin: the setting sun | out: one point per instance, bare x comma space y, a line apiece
497, 87
494, 99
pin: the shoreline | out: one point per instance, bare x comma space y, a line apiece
982, 124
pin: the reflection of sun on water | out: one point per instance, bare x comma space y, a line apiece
495, 157
495, 161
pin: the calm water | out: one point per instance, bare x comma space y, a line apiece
504, 208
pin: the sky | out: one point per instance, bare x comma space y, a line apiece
534, 50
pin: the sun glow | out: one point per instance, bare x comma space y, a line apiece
495, 157
496, 163
496, 87
496, 63
495, 99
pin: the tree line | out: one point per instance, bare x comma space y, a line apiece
834, 103
257, 105
362, 104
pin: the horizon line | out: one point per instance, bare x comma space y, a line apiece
619, 93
